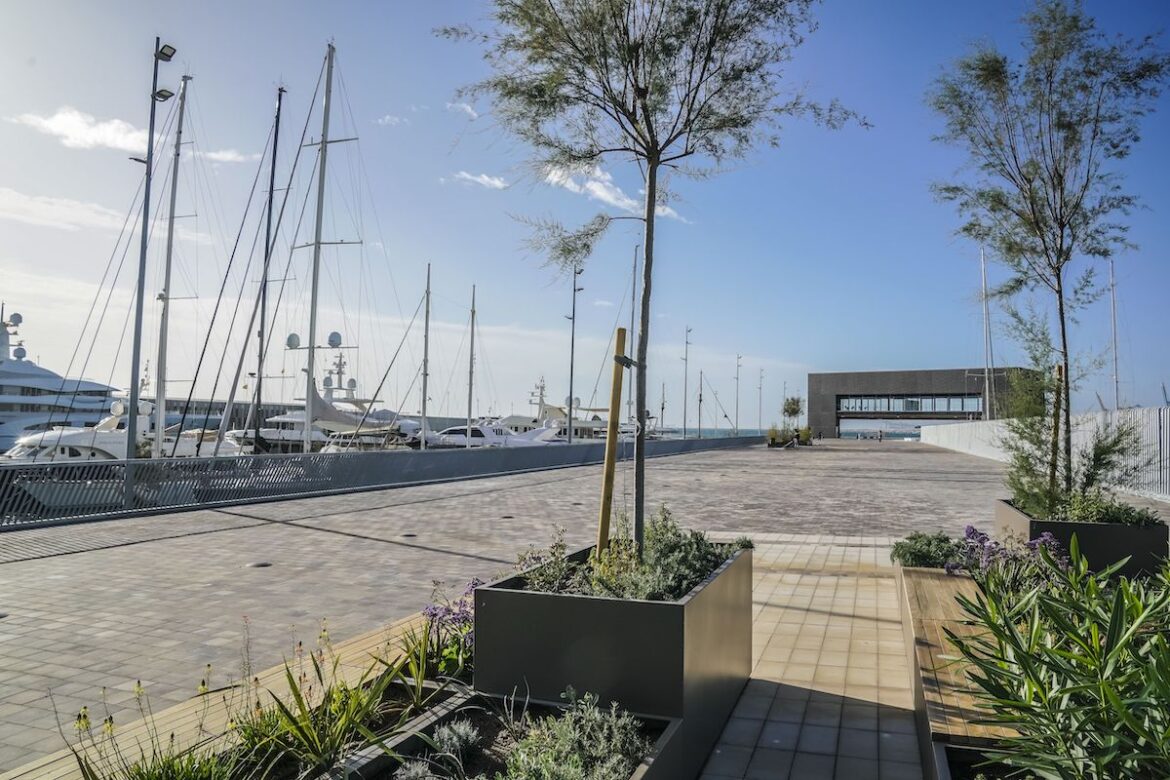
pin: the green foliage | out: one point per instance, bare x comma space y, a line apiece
931, 551
185, 766
1044, 137
325, 716
793, 407
773, 433
674, 561
805, 434
1099, 507
1078, 667
586, 742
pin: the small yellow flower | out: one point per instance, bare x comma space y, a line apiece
202, 686
139, 691
81, 722
108, 725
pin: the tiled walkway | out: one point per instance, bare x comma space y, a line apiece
830, 694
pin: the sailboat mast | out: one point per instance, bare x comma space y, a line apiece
264, 277
1113, 316
471, 367
700, 403
310, 379
988, 386
426, 372
160, 371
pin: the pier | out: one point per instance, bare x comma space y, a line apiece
156, 598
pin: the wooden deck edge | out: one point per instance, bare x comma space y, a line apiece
200, 721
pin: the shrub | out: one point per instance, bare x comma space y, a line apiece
674, 561
452, 624
805, 434
1100, 507
930, 551
586, 742
1078, 668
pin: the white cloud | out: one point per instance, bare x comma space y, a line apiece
464, 108
60, 213
482, 179
229, 156
599, 185
79, 130
389, 120
603, 304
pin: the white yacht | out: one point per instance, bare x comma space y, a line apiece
487, 432
34, 399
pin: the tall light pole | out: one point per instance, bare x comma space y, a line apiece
738, 363
572, 349
686, 360
760, 411
162, 53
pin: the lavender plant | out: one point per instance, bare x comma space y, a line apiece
452, 626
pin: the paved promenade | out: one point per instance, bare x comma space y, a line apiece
156, 599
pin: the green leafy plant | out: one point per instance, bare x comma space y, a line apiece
674, 561
325, 716
930, 551
586, 742
1078, 667
1100, 507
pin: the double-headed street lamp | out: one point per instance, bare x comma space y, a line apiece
163, 52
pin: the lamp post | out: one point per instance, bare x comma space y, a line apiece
686, 362
162, 53
572, 350
738, 364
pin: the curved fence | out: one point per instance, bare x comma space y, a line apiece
52, 493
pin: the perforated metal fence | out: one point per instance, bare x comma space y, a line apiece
53, 493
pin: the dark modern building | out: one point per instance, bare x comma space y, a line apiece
928, 395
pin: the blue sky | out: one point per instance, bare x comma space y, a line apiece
828, 253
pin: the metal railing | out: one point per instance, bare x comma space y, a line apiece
1151, 424
38, 494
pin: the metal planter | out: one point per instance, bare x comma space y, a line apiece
687, 659
1101, 544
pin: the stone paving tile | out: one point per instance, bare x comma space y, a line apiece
157, 598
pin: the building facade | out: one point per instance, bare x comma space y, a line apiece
853, 398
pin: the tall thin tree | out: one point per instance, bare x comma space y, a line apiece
1043, 135
670, 85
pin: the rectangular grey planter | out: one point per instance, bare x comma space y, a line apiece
687, 659
1101, 544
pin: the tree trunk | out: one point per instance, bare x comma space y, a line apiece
643, 341
1066, 385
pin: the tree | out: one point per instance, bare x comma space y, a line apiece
680, 85
1042, 135
793, 407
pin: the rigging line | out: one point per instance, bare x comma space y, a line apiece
97, 297
455, 363
280, 216
366, 411
608, 346
487, 367
132, 212
362, 168
215, 310
716, 396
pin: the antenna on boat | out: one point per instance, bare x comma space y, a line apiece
160, 369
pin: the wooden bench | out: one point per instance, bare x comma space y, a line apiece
203, 720
945, 710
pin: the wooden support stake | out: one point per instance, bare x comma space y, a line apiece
611, 440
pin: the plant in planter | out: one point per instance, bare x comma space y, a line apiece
669, 635
584, 741
1078, 667
929, 551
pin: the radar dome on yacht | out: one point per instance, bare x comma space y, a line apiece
334, 339
15, 319
145, 407
19, 353
118, 408
293, 341
351, 384
328, 381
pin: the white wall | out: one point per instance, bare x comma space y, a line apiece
1153, 425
